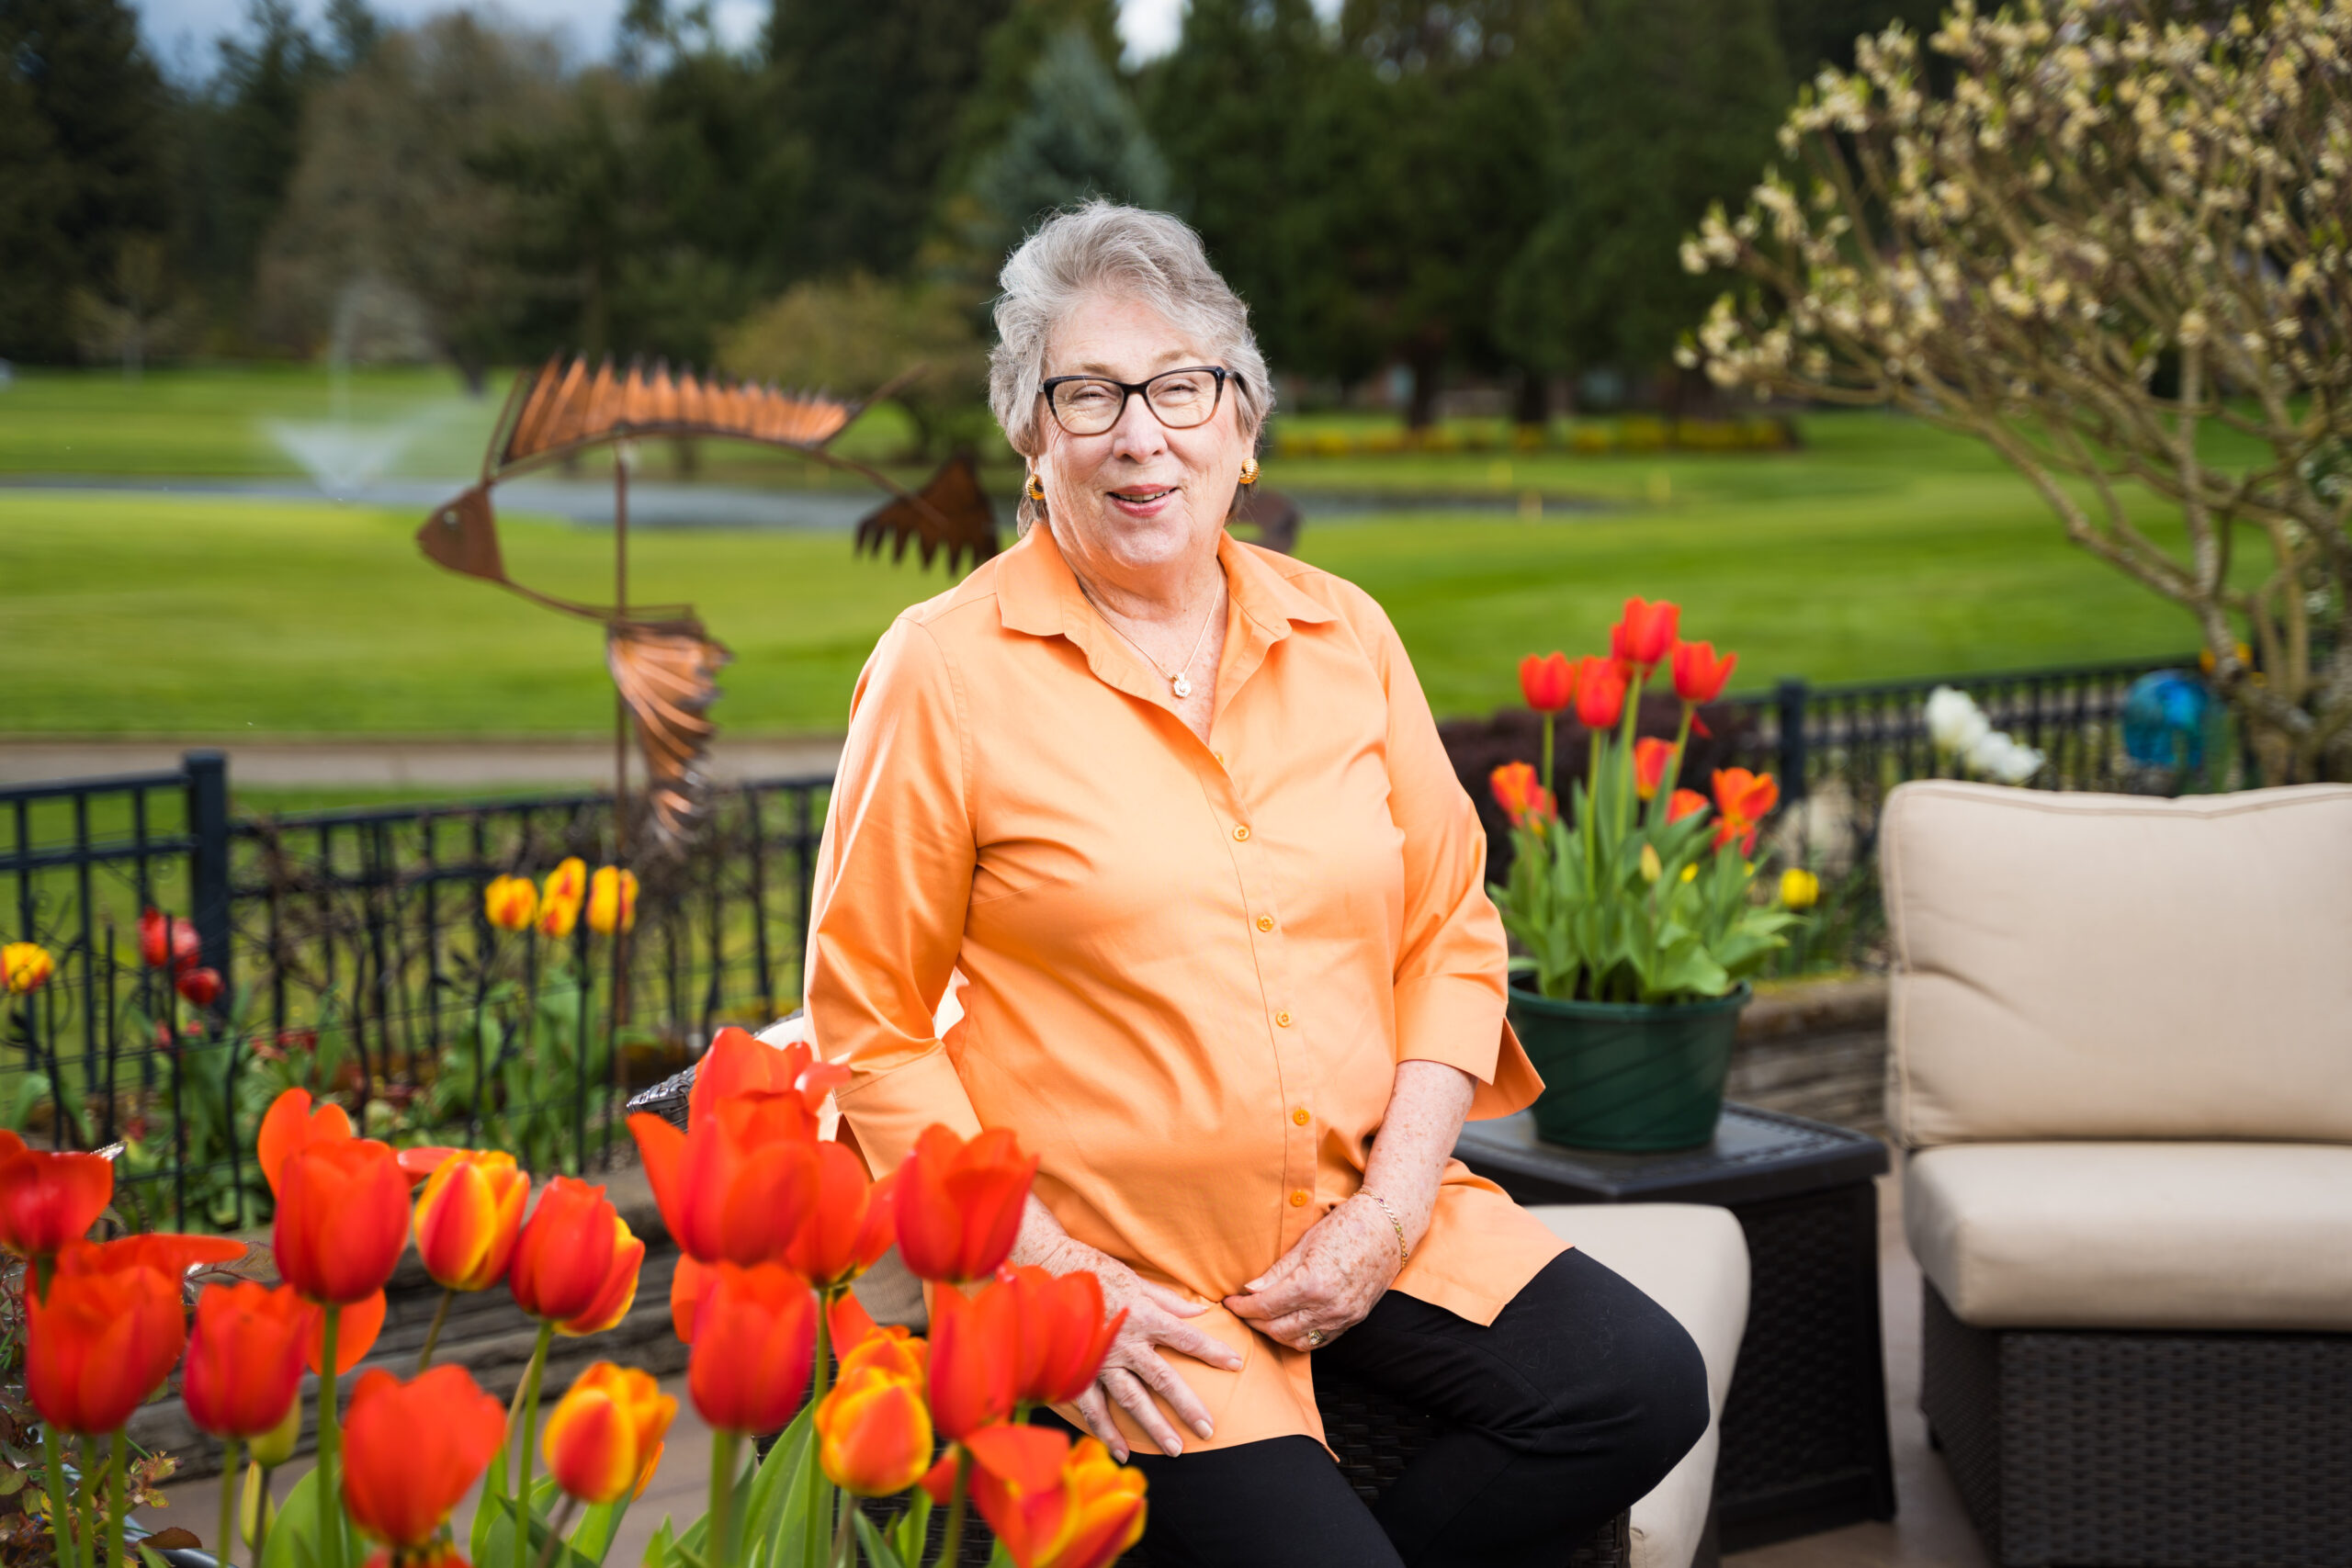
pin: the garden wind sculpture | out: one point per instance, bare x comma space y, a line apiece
664, 664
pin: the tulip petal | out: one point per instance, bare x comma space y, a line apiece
356, 1331
1029, 1457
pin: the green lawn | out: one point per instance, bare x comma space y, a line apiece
1882, 549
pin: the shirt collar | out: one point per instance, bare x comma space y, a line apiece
1037, 592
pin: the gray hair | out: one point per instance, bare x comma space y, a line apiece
1101, 248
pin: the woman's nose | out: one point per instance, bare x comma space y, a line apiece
1138, 433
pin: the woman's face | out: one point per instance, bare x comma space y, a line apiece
1138, 498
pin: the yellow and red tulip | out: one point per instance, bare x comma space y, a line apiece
412, 1451
612, 900
756, 1338
561, 897
960, 1204
25, 966
564, 1256
1527, 803
874, 1431
619, 1292
468, 1217
512, 903
605, 1436
1052, 1502
244, 1359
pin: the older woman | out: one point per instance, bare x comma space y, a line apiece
1171, 815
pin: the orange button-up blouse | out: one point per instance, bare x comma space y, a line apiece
1188, 971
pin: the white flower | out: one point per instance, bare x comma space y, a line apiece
2003, 760
1955, 724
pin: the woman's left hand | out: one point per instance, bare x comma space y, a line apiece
1327, 1282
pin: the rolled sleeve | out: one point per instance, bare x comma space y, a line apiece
892, 882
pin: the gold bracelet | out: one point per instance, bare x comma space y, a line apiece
1404, 1253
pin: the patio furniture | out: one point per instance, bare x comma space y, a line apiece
1805, 1439
2121, 1058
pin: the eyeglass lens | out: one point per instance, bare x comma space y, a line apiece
1181, 398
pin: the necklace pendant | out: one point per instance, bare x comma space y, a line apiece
1182, 684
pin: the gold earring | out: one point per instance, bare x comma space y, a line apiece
1037, 491
1248, 470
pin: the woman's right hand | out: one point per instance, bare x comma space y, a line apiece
1133, 1370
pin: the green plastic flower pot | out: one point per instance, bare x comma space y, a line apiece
1630, 1077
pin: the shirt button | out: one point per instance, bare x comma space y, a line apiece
1298, 1198
1281, 1020
1242, 832
1300, 1116
1265, 922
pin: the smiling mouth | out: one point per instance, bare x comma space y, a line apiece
1143, 496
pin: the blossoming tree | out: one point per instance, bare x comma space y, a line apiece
2117, 253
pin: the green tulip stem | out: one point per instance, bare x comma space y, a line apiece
530, 1430
717, 1548
843, 1534
330, 1490
85, 1498
229, 1478
61, 1500
821, 1489
954, 1544
262, 1507
1547, 751
117, 1505
555, 1526
1667, 780
433, 1334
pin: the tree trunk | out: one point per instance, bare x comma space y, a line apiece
1533, 405
1426, 360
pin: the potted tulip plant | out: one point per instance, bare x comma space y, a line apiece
1632, 913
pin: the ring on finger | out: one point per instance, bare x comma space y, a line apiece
1314, 1337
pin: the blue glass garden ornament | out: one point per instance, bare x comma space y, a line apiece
2165, 716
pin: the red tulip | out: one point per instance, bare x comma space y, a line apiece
975, 1359
290, 1125
1644, 637
200, 987
1650, 757
1548, 683
356, 1328
412, 1450
689, 1282
737, 1188
244, 1359
48, 1199
1699, 675
167, 1253
563, 1258
164, 940
342, 1219
618, 1293
468, 1217
1063, 1334
1683, 803
105, 1338
1745, 799
851, 1223
419, 1161
960, 1204
755, 1336
1525, 802
740, 1062
1600, 692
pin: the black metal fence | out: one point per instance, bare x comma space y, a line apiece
359, 961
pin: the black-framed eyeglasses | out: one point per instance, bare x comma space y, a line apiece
1181, 400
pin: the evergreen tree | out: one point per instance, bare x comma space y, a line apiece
875, 90
246, 142
1008, 60
1080, 138
83, 130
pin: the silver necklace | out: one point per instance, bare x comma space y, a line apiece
1181, 681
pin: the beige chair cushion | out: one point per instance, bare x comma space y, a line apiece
1692, 1261
2136, 1236
2117, 966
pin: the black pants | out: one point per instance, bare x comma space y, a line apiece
1576, 1401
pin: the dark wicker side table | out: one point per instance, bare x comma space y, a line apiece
1805, 1444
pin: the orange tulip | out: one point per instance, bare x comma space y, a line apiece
171, 1254
1699, 675
468, 1218
290, 1125
612, 900
1056, 1504
560, 900
244, 1359
960, 1203
755, 1336
1600, 692
107, 1338
356, 1328
689, 1282
48, 1199
25, 966
975, 1359
851, 1221
1548, 683
511, 902
342, 1219
618, 1293
1063, 1334
1650, 757
1745, 799
1683, 803
604, 1437
563, 1258
893, 1349
737, 1187
1644, 637
412, 1450
1527, 803
740, 1062
873, 1431
419, 1161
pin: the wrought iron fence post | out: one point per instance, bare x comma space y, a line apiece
208, 869
1791, 699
